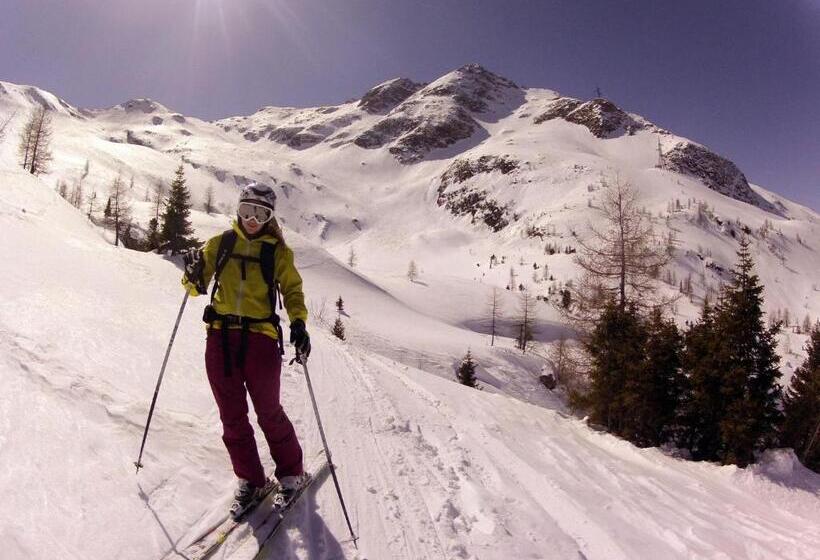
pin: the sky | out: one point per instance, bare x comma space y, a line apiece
740, 76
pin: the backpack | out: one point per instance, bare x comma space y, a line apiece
266, 262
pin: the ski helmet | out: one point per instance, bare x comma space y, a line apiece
258, 193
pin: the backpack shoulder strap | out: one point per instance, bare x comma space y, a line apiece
223, 253
267, 257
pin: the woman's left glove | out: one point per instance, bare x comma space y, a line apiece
299, 337
194, 267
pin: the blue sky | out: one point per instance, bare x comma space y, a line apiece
742, 77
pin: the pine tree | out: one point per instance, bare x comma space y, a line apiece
750, 384
703, 405
338, 329
615, 347
731, 406
653, 397
801, 407
340, 305
466, 371
176, 233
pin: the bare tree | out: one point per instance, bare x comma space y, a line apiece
120, 216
4, 124
92, 198
569, 365
412, 271
526, 320
351, 257
160, 190
495, 314
620, 260
209, 200
35, 142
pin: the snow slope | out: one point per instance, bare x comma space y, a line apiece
430, 469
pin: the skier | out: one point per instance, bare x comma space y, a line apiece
248, 264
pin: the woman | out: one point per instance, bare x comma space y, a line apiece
244, 351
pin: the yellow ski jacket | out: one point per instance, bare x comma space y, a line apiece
247, 295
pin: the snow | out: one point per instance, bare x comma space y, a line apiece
430, 469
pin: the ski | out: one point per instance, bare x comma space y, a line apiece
212, 539
279, 514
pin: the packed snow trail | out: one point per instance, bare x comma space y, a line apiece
430, 469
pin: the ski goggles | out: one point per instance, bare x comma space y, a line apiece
249, 211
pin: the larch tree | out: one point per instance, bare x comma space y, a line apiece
35, 142
619, 260
495, 313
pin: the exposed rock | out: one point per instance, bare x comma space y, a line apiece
132, 138
384, 97
440, 114
472, 87
559, 109
604, 119
718, 173
156, 121
142, 105
179, 118
472, 200
462, 169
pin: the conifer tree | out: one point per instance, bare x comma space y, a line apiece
801, 407
653, 397
731, 406
340, 305
750, 383
466, 371
176, 232
615, 347
338, 329
702, 406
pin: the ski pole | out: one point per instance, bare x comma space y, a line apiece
303, 360
138, 462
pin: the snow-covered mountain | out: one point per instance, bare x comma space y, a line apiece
445, 174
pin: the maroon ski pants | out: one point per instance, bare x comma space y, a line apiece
260, 378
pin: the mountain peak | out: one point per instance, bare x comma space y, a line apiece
143, 104
385, 96
473, 87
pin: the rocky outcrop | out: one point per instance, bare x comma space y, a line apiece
384, 97
441, 113
472, 87
470, 199
602, 117
559, 109
716, 172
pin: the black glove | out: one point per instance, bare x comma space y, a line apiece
299, 338
194, 266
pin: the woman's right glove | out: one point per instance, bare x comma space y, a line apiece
300, 338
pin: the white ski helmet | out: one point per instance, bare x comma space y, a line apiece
258, 193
